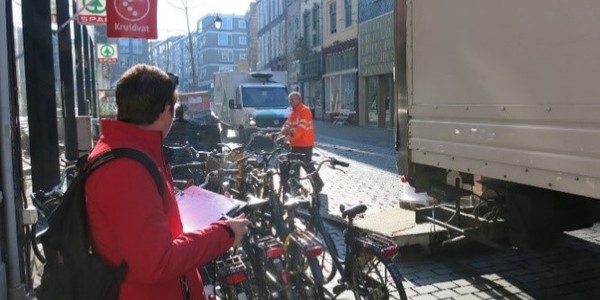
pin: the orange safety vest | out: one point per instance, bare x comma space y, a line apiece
301, 120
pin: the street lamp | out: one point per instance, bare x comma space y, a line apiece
218, 22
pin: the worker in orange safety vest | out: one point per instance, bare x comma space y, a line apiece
300, 132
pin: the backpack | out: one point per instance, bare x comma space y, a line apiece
72, 270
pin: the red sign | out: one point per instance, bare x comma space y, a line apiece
131, 19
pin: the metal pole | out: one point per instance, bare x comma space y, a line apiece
82, 105
13, 285
41, 94
66, 79
87, 69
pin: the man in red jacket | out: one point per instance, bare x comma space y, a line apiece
300, 132
129, 220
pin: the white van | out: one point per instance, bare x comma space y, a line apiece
249, 101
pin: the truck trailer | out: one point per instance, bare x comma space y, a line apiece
499, 115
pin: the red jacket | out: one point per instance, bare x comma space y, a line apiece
302, 122
130, 221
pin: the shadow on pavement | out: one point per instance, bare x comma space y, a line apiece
569, 270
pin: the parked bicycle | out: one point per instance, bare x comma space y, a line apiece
303, 251
369, 267
45, 202
266, 254
230, 276
188, 165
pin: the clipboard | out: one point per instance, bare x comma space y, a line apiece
199, 207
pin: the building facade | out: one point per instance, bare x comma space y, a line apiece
252, 24
272, 15
222, 49
171, 55
308, 51
340, 52
293, 34
376, 63
129, 52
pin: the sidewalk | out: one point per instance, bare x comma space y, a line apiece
375, 136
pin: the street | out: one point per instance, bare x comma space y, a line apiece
465, 270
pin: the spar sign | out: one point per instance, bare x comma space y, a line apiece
131, 19
107, 53
91, 12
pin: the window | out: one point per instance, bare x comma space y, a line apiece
348, 12
124, 45
124, 61
242, 40
226, 68
316, 25
137, 46
306, 28
332, 18
243, 55
242, 24
227, 23
225, 55
224, 39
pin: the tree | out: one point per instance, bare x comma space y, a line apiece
185, 8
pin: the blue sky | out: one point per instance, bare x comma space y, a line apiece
171, 21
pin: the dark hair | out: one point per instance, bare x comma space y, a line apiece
179, 110
142, 94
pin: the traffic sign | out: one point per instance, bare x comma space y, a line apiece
107, 53
91, 12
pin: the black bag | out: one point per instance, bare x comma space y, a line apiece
72, 270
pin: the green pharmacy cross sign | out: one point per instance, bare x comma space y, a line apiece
107, 53
91, 12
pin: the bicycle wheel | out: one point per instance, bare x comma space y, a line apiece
373, 279
301, 276
233, 277
325, 259
240, 291
304, 269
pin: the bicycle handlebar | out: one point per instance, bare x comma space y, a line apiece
274, 136
186, 147
333, 162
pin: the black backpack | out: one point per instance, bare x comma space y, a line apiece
72, 270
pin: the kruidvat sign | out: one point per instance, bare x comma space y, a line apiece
131, 19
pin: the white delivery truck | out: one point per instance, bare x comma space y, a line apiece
249, 101
499, 115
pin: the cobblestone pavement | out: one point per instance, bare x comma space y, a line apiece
570, 270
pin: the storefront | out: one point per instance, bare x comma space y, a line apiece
376, 65
340, 80
311, 84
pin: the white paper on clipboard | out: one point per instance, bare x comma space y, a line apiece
199, 207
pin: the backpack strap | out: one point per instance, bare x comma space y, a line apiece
128, 153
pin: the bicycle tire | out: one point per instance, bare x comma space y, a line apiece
241, 291
305, 271
373, 278
330, 251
